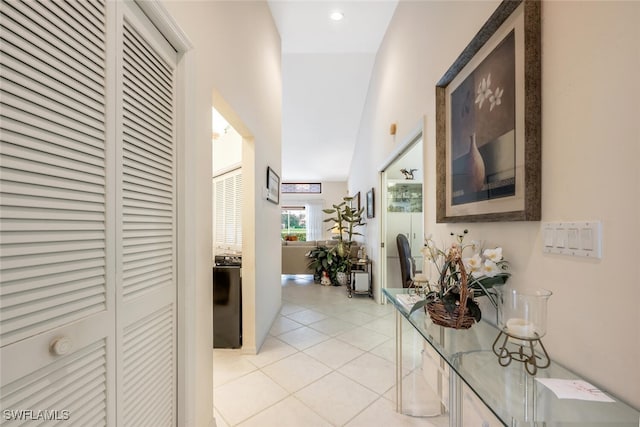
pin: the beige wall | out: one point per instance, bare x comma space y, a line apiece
591, 147
236, 68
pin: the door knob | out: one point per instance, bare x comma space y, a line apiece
60, 346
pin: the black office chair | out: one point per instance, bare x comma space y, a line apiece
407, 263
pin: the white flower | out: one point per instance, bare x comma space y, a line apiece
490, 268
495, 98
484, 92
494, 255
473, 264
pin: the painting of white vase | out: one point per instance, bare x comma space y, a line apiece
488, 122
483, 129
475, 166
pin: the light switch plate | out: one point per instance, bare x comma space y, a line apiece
548, 236
573, 238
582, 239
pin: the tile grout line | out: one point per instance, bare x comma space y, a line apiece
376, 315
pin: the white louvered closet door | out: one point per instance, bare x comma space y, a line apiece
147, 281
87, 216
54, 237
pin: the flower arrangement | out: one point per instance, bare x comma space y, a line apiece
479, 273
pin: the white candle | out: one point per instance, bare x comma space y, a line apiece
520, 328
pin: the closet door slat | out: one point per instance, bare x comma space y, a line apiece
53, 169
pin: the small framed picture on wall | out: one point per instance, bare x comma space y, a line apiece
370, 204
273, 186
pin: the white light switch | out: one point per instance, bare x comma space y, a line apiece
572, 238
561, 237
548, 237
586, 239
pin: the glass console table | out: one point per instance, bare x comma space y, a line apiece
508, 394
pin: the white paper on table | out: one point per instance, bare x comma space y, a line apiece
408, 300
574, 389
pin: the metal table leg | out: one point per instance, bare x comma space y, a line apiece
398, 362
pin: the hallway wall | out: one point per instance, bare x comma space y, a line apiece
591, 145
236, 57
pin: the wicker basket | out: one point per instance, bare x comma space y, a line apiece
440, 316
461, 317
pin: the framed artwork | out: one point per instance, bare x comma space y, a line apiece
355, 201
273, 186
370, 204
488, 122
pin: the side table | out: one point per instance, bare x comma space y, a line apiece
360, 269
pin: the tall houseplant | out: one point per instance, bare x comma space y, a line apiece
345, 219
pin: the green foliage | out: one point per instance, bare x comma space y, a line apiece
323, 259
289, 221
299, 234
474, 309
336, 258
449, 301
345, 219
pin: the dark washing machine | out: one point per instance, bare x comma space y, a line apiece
227, 301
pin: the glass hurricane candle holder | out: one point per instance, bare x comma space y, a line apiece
522, 319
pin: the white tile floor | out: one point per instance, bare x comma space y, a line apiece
328, 361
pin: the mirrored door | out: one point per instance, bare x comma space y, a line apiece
402, 202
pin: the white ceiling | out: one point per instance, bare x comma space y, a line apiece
326, 68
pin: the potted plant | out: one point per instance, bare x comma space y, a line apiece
322, 260
451, 302
345, 219
340, 271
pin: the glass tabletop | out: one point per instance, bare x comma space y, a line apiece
514, 396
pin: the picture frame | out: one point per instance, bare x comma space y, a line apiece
370, 204
273, 186
488, 122
355, 201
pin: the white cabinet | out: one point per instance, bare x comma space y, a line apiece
404, 196
403, 205
411, 224
404, 213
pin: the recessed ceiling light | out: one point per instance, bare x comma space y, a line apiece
337, 15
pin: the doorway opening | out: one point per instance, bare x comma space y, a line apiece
402, 208
227, 186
